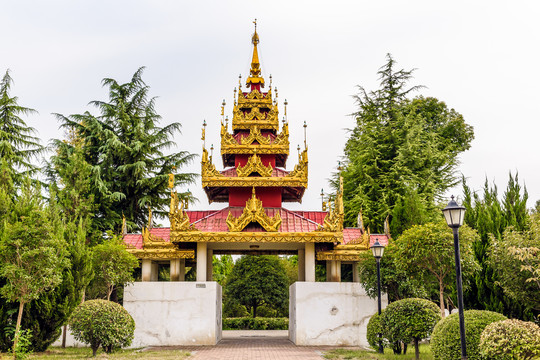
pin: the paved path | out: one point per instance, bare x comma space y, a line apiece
255, 345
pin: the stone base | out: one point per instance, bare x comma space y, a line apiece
330, 313
174, 313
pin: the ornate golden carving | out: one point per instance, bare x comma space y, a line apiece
252, 149
280, 145
301, 169
254, 212
255, 135
342, 255
178, 216
334, 219
264, 120
254, 164
207, 168
162, 254
255, 237
223, 181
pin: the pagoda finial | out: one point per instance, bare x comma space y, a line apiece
255, 70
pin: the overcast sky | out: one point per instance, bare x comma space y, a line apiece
480, 57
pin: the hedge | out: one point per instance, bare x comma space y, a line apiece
258, 323
445, 341
510, 339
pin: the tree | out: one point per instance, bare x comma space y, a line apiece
409, 320
395, 281
258, 280
125, 148
113, 265
400, 149
490, 217
32, 251
222, 267
428, 251
516, 260
18, 145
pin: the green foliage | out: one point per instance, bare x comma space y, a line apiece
258, 280
515, 259
510, 339
102, 323
409, 320
402, 152
395, 281
490, 217
113, 266
428, 252
32, 250
259, 323
23, 346
445, 342
221, 268
374, 328
18, 146
125, 148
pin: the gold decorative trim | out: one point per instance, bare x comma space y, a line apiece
280, 145
254, 212
162, 254
254, 237
301, 169
223, 181
178, 216
207, 168
342, 255
254, 164
271, 149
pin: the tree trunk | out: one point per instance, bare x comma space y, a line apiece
18, 329
416, 349
441, 297
254, 311
64, 336
94, 349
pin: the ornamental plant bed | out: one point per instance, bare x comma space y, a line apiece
56, 353
425, 354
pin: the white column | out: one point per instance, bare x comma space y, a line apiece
337, 271
146, 270
182, 270
209, 264
155, 270
301, 265
355, 274
175, 270
329, 270
310, 262
201, 261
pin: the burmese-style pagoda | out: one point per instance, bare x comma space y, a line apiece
255, 184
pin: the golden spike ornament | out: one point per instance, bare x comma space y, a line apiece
334, 219
254, 212
255, 70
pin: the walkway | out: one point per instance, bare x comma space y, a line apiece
255, 345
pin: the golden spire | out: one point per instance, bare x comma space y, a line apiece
255, 70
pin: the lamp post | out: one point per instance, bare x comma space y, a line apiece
378, 251
453, 213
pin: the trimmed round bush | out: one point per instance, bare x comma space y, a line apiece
409, 320
102, 323
510, 339
373, 331
445, 341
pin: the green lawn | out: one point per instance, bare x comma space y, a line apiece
55, 353
425, 354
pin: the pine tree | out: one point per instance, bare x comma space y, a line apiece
490, 217
125, 148
400, 149
18, 146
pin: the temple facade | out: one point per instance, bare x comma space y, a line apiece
255, 185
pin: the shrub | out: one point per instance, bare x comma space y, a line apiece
409, 320
373, 331
510, 339
445, 341
258, 323
102, 323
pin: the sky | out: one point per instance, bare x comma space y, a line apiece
480, 57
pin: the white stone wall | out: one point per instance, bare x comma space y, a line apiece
174, 313
330, 313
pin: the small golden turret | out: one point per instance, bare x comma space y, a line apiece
255, 70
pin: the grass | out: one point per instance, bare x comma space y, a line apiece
425, 354
56, 353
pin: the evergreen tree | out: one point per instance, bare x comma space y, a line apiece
400, 150
18, 146
490, 217
125, 148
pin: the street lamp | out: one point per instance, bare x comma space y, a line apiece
378, 251
453, 213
